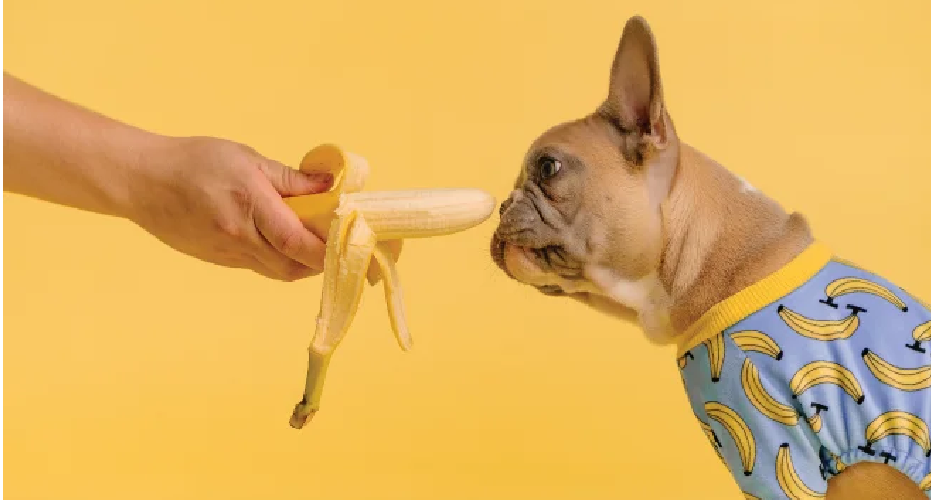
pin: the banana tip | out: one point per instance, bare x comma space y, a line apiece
300, 416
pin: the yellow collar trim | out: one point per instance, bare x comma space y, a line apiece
756, 296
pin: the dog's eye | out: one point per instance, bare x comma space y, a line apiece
549, 166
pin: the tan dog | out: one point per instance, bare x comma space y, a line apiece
615, 211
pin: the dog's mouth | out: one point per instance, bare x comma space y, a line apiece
535, 266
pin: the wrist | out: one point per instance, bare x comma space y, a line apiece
146, 173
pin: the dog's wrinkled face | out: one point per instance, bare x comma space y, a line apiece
586, 202
577, 203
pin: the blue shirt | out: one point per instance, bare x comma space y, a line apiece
818, 366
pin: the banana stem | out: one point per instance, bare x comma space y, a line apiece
316, 373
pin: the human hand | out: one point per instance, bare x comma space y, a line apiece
221, 202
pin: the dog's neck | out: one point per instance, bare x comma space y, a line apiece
721, 235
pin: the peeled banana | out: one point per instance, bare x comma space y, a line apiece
361, 228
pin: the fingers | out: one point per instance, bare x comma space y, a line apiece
290, 182
283, 230
272, 265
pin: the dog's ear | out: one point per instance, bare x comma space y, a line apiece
635, 95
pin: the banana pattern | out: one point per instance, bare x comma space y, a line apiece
684, 359
762, 400
712, 438
715, 348
906, 379
800, 378
739, 431
848, 285
757, 341
826, 372
816, 422
789, 480
898, 423
821, 329
921, 333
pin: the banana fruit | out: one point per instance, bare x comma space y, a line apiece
826, 372
905, 379
753, 340
762, 399
791, 484
739, 431
898, 423
844, 286
820, 329
361, 228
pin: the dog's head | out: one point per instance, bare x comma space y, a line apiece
587, 198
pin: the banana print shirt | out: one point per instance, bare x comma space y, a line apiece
816, 367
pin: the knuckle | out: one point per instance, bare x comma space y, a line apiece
291, 243
228, 227
241, 198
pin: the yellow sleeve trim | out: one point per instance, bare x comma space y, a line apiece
751, 299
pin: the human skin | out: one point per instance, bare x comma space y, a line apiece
211, 198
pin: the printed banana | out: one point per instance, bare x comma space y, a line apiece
712, 438
925, 483
362, 228
739, 431
839, 466
753, 340
905, 379
762, 399
684, 359
815, 422
921, 333
820, 329
748, 496
826, 372
844, 286
899, 423
789, 480
715, 347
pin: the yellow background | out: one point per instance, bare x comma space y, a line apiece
133, 372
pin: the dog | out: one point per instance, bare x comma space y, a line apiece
808, 374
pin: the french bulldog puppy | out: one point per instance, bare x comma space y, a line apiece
615, 211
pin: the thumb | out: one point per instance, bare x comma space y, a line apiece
291, 182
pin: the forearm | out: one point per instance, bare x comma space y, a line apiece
59, 152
